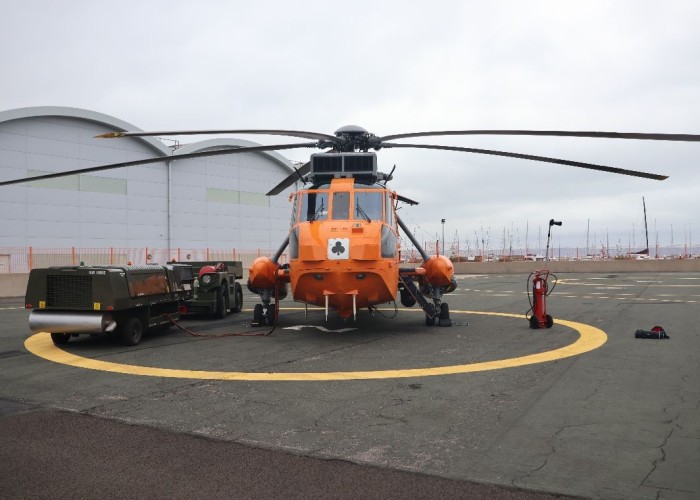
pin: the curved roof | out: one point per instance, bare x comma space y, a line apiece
120, 125
82, 114
228, 142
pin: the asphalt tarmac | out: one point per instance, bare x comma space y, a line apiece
380, 407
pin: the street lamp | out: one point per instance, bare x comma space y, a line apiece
443, 236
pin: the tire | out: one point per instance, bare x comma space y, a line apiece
429, 321
549, 321
238, 296
534, 324
271, 311
60, 338
221, 302
132, 331
258, 314
444, 317
407, 299
444, 311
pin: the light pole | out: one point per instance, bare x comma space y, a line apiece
443, 236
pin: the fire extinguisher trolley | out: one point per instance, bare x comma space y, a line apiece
540, 289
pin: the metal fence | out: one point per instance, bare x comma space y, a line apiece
23, 260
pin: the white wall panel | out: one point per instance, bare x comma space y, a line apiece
44, 196
53, 212
58, 147
179, 192
101, 231
104, 215
52, 229
88, 200
150, 189
15, 194
187, 178
11, 210
12, 159
12, 228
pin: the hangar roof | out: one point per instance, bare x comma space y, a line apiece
120, 125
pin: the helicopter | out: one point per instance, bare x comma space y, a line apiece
344, 240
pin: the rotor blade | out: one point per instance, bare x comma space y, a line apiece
290, 179
199, 154
554, 133
406, 200
289, 133
545, 159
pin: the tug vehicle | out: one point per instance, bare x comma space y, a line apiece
215, 289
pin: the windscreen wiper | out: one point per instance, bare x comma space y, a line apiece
317, 212
359, 210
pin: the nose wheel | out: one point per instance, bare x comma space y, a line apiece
264, 315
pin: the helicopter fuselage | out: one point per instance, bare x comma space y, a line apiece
344, 246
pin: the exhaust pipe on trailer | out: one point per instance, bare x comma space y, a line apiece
71, 322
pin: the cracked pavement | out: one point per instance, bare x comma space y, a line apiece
622, 421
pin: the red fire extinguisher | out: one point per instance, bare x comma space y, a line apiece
540, 290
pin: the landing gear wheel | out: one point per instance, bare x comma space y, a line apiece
534, 324
407, 300
221, 302
60, 338
238, 299
258, 315
549, 321
132, 331
444, 319
429, 321
271, 314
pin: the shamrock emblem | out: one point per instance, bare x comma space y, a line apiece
338, 248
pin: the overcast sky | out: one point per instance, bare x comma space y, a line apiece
406, 66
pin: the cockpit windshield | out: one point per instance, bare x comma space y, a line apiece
314, 206
368, 205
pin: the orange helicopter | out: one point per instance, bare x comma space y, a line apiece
344, 245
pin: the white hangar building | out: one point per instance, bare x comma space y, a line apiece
215, 202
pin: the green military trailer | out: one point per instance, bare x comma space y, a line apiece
215, 289
116, 300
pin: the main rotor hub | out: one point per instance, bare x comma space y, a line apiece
355, 138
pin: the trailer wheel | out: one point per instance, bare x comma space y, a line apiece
60, 338
238, 299
132, 331
549, 321
221, 302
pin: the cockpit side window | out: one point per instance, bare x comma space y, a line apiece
295, 209
389, 209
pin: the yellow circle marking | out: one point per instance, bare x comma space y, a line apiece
590, 338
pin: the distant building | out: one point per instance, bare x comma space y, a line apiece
215, 202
